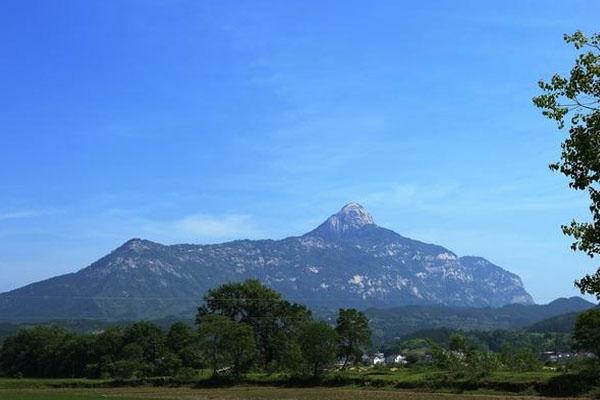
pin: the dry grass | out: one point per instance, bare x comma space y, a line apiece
239, 393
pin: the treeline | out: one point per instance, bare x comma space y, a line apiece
243, 327
459, 353
496, 340
240, 327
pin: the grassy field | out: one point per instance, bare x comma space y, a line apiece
260, 389
250, 393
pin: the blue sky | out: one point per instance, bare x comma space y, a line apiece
188, 121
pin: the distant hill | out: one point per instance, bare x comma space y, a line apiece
82, 325
347, 261
401, 321
563, 323
431, 321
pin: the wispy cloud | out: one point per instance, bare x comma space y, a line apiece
119, 225
208, 227
22, 214
450, 198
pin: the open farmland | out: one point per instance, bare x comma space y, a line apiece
246, 393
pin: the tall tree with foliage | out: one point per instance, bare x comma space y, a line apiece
586, 334
575, 100
145, 342
226, 343
319, 343
183, 342
34, 352
262, 308
353, 333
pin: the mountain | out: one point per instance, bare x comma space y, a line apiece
347, 261
561, 323
388, 324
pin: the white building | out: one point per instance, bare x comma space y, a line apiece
373, 359
397, 359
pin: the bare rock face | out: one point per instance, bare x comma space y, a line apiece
347, 261
351, 217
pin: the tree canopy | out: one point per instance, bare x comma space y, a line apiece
574, 100
587, 332
319, 344
354, 334
226, 343
262, 308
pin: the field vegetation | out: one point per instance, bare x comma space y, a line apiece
247, 335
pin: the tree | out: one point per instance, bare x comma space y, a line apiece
458, 342
182, 341
179, 337
75, 353
586, 335
106, 350
353, 334
144, 342
578, 96
288, 357
241, 347
261, 308
481, 363
520, 358
319, 344
35, 352
226, 343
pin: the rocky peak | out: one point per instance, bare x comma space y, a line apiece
137, 246
351, 217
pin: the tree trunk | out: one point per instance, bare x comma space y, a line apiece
345, 361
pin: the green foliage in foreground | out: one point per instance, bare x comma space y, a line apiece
587, 332
575, 100
226, 343
428, 379
354, 334
247, 333
241, 327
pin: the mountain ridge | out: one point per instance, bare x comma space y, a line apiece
399, 321
347, 261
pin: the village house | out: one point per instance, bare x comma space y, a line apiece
373, 359
396, 359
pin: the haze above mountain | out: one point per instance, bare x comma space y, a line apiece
347, 261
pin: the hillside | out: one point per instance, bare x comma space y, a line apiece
347, 261
563, 323
401, 321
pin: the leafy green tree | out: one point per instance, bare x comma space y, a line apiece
75, 353
446, 359
182, 341
242, 348
482, 363
520, 358
586, 335
106, 349
109, 342
458, 342
226, 343
34, 352
353, 333
126, 369
179, 337
261, 308
577, 96
319, 344
144, 342
288, 357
